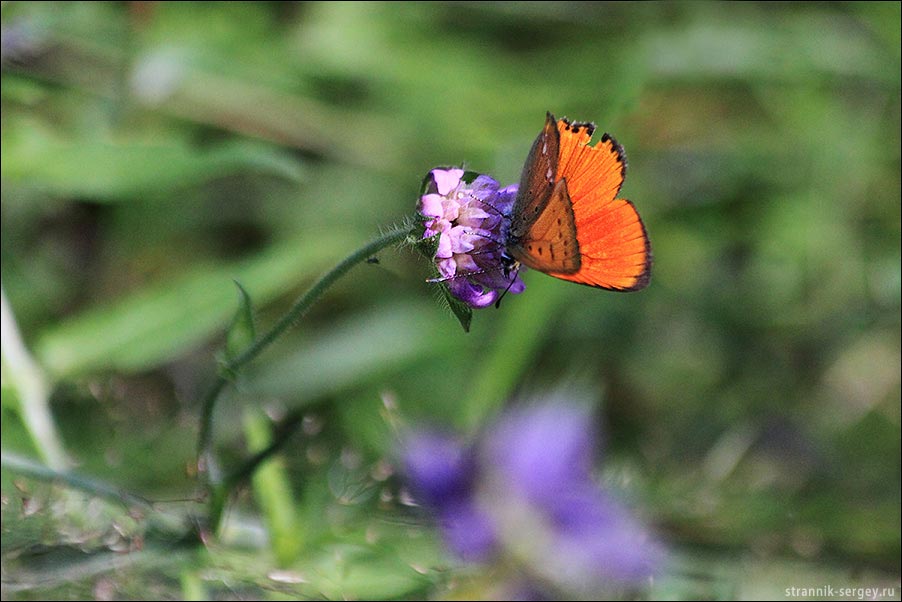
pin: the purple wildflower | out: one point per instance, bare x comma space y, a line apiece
525, 490
441, 473
440, 468
542, 455
471, 220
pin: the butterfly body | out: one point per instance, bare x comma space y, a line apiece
566, 220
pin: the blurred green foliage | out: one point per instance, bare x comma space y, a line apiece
154, 152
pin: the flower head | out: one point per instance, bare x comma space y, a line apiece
471, 219
525, 490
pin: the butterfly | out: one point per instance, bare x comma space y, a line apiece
567, 220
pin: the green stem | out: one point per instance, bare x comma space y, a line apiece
168, 525
286, 429
35, 470
294, 314
219, 494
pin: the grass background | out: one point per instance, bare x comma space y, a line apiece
154, 152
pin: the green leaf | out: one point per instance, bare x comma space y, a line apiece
242, 332
192, 585
164, 320
113, 171
352, 350
461, 311
357, 572
272, 490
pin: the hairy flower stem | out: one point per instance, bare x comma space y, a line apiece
297, 311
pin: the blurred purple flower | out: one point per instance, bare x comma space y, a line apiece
440, 468
525, 490
19, 40
471, 220
441, 472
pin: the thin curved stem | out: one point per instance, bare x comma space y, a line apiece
30, 468
297, 311
169, 525
286, 429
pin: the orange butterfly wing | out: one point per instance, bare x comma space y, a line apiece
614, 247
549, 244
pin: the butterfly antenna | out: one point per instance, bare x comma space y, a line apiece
467, 274
497, 211
488, 238
461, 275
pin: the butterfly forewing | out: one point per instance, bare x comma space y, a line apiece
537, 180
614, 250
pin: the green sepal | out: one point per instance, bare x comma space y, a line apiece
463, 312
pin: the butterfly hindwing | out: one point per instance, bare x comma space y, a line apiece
550, 245
614, 250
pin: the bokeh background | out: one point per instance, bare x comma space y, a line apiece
152, 153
